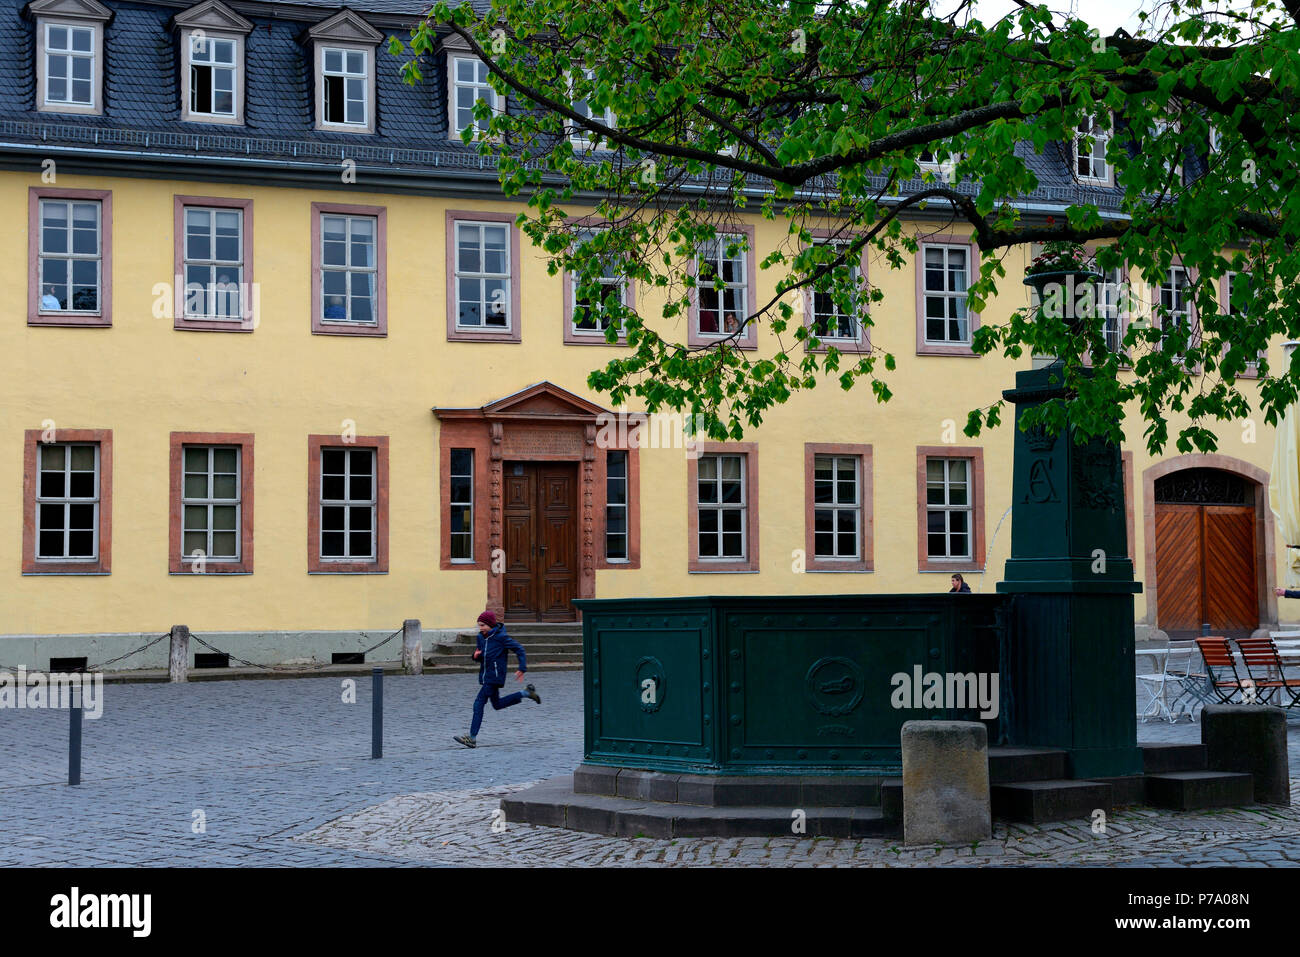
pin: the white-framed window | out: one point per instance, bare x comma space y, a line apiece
345, 87
616, 505
349, 273
214, 263
949, 513
584, 139
461, 502
1091, 138
722, 507
722, 261
71, 255
1175, 302
1216, 140
469, 83
482, 275
837, 507
69, 52
213, 76
589, 316
347, 504
829, 321
1161, 126
210, 503
67, 502
946, 269
1111, 300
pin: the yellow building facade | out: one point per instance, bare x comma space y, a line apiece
285, 389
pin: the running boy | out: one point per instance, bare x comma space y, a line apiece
494, 647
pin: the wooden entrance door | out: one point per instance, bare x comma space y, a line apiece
541, 541
1205, 569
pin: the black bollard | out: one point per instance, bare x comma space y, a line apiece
74, 738
377, 714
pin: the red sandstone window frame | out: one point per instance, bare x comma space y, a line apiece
975, 455
1225, 289
515, 332
749, 340
35, 317
923, 347
247, 301
694, 563
601, 479
474, 436
318, 326
178, 564
573, 337
865, 562
860, 344
101, 565
315, 564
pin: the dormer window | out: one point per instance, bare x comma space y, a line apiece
469, 84
212, 39
344, 84
344, 57
212, 76
1090, 141
69, 65
69, 55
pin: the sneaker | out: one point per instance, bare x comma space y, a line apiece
531, 692
466, 740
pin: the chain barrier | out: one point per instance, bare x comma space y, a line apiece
280, 668
89, 669
149, 644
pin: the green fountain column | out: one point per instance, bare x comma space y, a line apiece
1067, 662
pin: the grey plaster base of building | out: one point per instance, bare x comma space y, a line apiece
946, 795
34, 652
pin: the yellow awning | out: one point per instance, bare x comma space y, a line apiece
1284, 491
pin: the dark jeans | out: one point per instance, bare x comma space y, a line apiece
491, 693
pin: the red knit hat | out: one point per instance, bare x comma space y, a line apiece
488, 618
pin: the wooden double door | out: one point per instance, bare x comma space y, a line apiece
540, 515
1206, 569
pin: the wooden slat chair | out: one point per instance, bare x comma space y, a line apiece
1268, 673
1221, 663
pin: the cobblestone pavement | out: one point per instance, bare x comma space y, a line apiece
278, 774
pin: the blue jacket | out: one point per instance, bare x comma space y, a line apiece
496, 646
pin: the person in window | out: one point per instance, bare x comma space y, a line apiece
730, 323
334, 308
49, 300
959, 585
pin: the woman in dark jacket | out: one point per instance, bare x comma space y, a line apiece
959, 585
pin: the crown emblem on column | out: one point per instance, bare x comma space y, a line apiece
1039, 439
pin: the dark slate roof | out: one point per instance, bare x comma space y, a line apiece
142, 100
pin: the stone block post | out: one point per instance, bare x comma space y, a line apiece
412, 647
178, 658
946, 782
1249, 738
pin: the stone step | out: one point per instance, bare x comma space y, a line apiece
554, 803
1191, 790
1039, 802
1009, 765
567, 631
451, 666
1159, 758
535, 655
891, 800
708, 790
